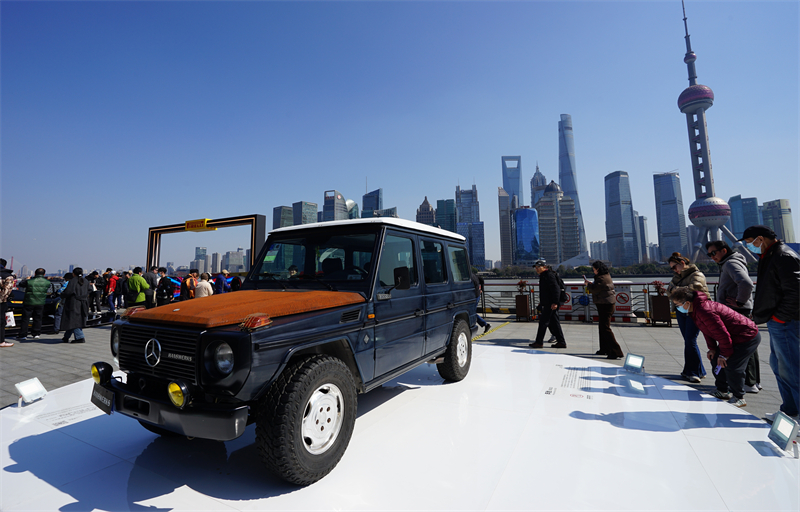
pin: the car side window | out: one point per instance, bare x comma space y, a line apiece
458, 263
397, 252
433, 262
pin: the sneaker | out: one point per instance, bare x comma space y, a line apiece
536, 344
758, 385
36, 337
750, 389
487, 327
737, 402
22, 338
694, 379
79, 340
560, 344
722, 395
770, 416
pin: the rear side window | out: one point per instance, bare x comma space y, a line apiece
397, 252
458, 263
433, 263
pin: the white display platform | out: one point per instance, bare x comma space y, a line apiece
526, 430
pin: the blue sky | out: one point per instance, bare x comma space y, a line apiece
119, 116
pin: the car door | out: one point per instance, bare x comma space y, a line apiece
438, 295
399, 314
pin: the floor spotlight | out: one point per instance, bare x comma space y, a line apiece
30, 391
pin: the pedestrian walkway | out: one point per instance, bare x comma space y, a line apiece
57, 364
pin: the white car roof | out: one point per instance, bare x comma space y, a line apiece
388, 221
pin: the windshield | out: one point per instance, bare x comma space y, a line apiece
316, 261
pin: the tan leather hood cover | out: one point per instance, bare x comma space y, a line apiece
233, 308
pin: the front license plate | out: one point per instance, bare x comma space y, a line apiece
103, 398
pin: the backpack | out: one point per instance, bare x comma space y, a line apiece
562, 297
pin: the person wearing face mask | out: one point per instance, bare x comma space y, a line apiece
687, 274
731, 338
777, 303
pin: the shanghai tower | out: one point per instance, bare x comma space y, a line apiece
566, 172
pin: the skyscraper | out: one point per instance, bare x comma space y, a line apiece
641, 236
707, 212
426, 214
559, 239
473, 232
623, 247
567, 175
538, 184
599, 250
372, 200
512, 179
506, 227
778, 216
334, 207
744, 213
670, 219
199, 253
526, 228
282, 216
467, 205
352, 209
447, 214
304, 212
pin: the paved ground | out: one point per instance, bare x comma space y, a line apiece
57, 364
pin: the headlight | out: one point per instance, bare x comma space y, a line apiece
223, 358
115, 342
101, 373
178, 394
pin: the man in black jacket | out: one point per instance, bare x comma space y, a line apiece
150, 294
777, 303
549, 295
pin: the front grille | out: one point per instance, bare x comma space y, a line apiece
178, 352
350, 316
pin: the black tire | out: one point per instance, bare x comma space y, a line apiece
458, 357
158, 430
310, 395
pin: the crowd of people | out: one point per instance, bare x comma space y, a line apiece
78, 297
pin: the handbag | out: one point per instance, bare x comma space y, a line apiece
10, 319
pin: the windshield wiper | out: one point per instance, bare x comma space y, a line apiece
271, 275
315, 278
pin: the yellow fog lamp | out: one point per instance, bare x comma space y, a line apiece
254, 321
178, 394
101, 373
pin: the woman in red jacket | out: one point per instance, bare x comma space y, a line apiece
731, 339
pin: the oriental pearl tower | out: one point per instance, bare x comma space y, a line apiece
708, 212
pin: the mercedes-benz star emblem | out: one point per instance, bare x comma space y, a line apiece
152, 352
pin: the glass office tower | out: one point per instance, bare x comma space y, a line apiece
506, 227
567, 175
334, 207
512, 179
526, 247
670, 216
744, 213
473, 232
623, 246
304, 212
282, 216
447, 214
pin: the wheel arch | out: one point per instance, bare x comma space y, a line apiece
338, 348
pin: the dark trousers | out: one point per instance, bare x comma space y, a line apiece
731, 378
752, 375
3, 309
57, 317
608, 342
96, 301
548, 319
693, 363
38, 314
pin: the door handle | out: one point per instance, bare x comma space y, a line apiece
418, 312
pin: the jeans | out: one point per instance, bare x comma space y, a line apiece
111, 301
784, 359
57, 316
480, 320
77, 331
693, 362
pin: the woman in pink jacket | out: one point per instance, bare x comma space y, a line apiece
731, 339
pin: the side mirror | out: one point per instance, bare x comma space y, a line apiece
401, 278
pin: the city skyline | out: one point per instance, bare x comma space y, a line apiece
277, 102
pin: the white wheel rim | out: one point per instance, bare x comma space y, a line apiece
462, 349
322, 418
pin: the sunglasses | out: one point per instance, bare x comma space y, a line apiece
673, 266
712, 254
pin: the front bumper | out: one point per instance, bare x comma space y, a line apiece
220, 422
